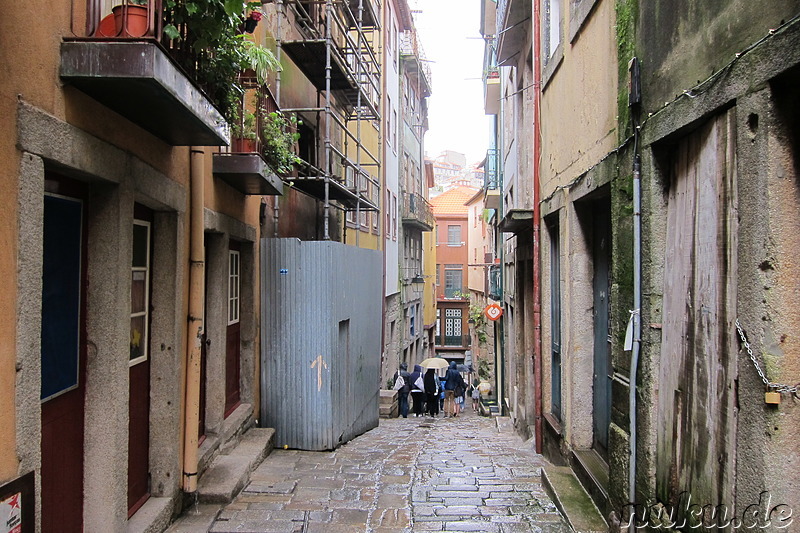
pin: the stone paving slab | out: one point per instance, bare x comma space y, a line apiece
406, 475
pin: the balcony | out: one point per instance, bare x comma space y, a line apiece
491, 179
495, 283
413, 57
416, 212
456, 293
517, 221
491, 78
123, 61
513, 26
453, 341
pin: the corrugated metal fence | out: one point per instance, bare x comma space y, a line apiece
320, 341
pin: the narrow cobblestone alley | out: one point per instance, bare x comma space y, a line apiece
415, 474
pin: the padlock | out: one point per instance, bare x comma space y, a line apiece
772, 398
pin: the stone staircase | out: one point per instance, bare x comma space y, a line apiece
388, 404
572, 500
222, 481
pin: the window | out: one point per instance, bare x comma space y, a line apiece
140, 292
394, 130
454, 235
452, 281
394, 217
438, 269
452, 327
412, 315
552, 41
387, 207
552, 35
389, 123
233, 286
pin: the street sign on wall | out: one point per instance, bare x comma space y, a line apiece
493, 311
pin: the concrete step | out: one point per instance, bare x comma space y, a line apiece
196, 519
572, 500
228, 474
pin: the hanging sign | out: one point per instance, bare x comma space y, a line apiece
493, 312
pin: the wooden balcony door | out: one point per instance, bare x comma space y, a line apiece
232, 336
63, 359
139, 362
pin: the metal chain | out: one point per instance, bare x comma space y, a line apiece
777, 387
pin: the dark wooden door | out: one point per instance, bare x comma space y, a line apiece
602, 314
63, 358
201, 426
232, 336
555, 318
139, 362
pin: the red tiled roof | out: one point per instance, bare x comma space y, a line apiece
453, 201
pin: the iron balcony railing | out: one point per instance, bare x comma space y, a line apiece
490, 174
410, 46
456, 293
145, 20
490, 68
495, 284
417, 208
460, 341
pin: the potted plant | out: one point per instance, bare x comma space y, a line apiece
278, 138
243, 134
132, 18
213, 27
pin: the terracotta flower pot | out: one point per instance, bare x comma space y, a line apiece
243, 146
131, 20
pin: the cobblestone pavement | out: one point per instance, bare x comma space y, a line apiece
414, 474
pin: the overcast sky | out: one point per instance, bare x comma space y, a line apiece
449, 32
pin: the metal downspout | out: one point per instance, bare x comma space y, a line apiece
537, 275
194, 335
637, 319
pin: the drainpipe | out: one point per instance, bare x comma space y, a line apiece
636, 316
634, 103
194, 334
537, 277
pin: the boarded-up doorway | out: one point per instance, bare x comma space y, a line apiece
696, 409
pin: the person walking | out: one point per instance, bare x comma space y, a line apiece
402, 392
476, 398
452, 382
417, 391
431, 393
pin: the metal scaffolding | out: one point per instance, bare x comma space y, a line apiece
334, 43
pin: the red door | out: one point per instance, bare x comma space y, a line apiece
232, 337
139, 362
63, 355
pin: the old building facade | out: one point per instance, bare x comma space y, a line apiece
663, 173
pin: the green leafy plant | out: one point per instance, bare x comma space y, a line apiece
243, 125
278, 137
479, 319
210, 29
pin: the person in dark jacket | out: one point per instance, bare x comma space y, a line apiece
417, 394
402, 394
431, 392
452, 382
